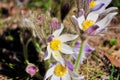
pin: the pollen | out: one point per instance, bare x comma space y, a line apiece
92, 4
56, 44
60, 70
87, 23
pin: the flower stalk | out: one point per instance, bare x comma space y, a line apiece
78, 58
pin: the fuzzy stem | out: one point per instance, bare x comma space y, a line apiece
78, 58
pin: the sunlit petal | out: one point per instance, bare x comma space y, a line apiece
66, 77
93, 16
56, 55
49, 73
66, 49
54, 77
58, 31
67, 37
106, 20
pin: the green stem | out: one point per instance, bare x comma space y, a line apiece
25, 53
111, 75
78, 58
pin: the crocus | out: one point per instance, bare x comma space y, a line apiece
86, 50
91, 24
31, 69
60, 72
56, 44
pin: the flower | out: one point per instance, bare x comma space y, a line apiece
95, 5
31, 69
56, 44
40, 19
60, 72
86, 49
91, 25
54, 23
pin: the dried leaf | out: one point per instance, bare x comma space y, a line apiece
114, 58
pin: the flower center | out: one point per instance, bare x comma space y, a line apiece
56, 44
87, 23
60, 70
92, 4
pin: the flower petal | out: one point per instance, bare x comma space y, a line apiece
76, 76
92, 16
80, 21
67, 37
88, 48
66, 49
66, 77
49, 73
58, 31
105, 21
49, 51
54, 77
108, 10
56, 55
70, 66
92, 29
106, 2
98, 7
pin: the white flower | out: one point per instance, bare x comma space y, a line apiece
60, 72
91, 25
56, 44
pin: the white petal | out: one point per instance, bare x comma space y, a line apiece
106, 20
49, 73
66, 49
106, 2
92, 16
56, 55
58, 31
67, 37
66, 77
49, 51
76, 76
80, 21
108, 10
54, 77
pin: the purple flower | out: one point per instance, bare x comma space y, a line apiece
86, 49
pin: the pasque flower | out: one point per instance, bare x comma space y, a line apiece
86, 50
60, 72
91, 24
98, 4
56, 44
31, 69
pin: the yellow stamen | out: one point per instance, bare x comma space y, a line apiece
56, 44
92, 4
60, 70
87, 23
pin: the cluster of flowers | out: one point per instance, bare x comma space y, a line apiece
61, 68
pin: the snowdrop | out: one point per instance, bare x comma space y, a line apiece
56, 44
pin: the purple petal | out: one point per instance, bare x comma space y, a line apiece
69, 66
97, 7
49, 39
88, 48
77, 44
92, 29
